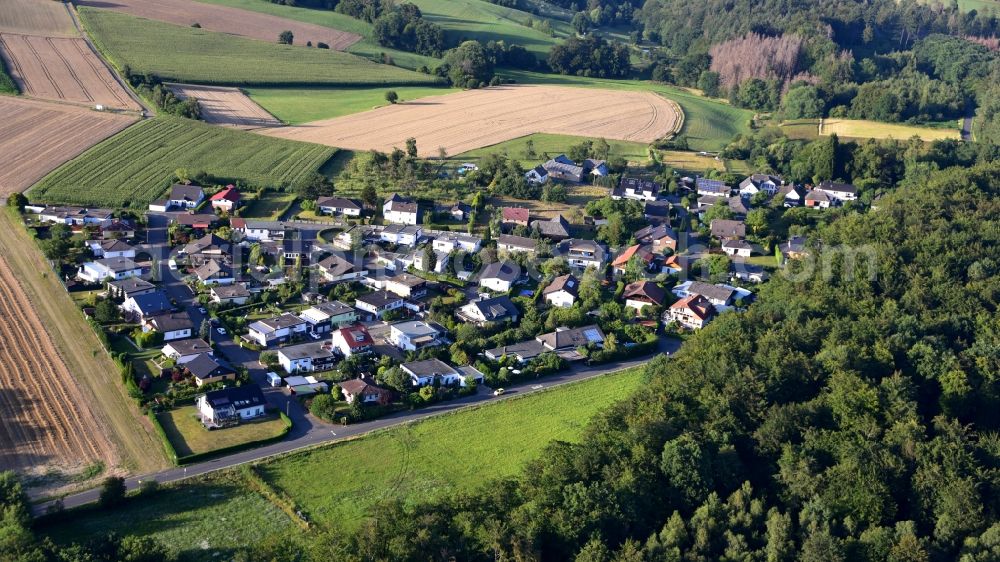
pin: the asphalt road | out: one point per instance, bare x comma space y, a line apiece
307, 431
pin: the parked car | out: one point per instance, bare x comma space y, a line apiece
202, 310
222, 331
498, 392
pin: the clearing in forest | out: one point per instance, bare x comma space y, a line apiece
477, 118
226, 106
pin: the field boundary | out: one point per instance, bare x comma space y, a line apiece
681, 117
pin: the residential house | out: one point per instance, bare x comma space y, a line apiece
131, 287
718, 295
510, 243
76, 216
337, 206
365, 390
643, 293
378, 303
451, 242
596, 168
482, 311
636, 251
537, 175
791, 195
757, 183
112, 248
414, 335
794, 248
144, 306
236, 293
209, 246
406, 285
118, 230
725, 229
565, 341
277, 329
173, 325
583, 253
745, 271
636, 188
352, 340
226, 200
266, 231
562, 291
431, 371
738, 205
693, 311
740, 248
818, 199
402, 235
109, 268
839, 191
523, 351
337, 269
325, 316
185, 196
197, 221
182, 351
400, 210
207, 370
556, 228
718, 188
230, 405
307, 357
460, 211
563, 169
515, 215
660, 238
499, 276
215, 272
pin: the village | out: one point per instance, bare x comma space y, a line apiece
230, 321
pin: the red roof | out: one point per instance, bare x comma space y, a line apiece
622, 260
230, 193
697, 304
237, 223
515, 214
356, 336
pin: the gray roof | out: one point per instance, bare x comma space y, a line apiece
429, 367
211, 269
650, 233
401, 204
566, 283
837, 187
181, 192
313, 349
285, 320
379, 299
190, 346
118, 264
722, 228
516, 241
556, 226
526, 350
335, 265
207, 242
171, 322
236, 290
740, 244
713, 186
204, 366
337, 202
502, 270
131, 285
416, 328
239, 397
497, 308
151, 304
564, 338
656, 209
714, 292
334, 308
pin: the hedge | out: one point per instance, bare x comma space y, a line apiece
167, 445
241, 447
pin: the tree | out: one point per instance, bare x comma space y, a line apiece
688, 469
581, 23
17, 201
802, 102
286, 37
708, 82
430, 258
106, 312
112, 491
369, 196
205, 330
324, 406
268, 358
391, 96
467, 63
757, 221
635, 269
411, 147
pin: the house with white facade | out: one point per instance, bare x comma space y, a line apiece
377, 304
114, 269
757, 183
276, 330
325, 316
450, 242
499, 276
413, 335
228, 406
337, 206
173, 325
182, 351
307, 357
400, 210
352, 340
562, 291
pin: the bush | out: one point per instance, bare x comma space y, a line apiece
112, 491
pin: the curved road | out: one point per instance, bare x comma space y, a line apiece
309, 432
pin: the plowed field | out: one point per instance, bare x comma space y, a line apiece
477, 118
226, 106
224, 19
36, 137
62, 69
36, 17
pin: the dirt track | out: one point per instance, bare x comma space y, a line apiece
226, 106
233, 21
477, 118
45, 421
36, 137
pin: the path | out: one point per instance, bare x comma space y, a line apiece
967, 126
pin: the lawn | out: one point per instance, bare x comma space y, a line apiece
137, 165
302, 105
200, 522
855, 128
186, 54
189, 437
269, 206
708, 124
552, 145
441, 455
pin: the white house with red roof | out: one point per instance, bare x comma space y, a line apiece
227, 199
353, 340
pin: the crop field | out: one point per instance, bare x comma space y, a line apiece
232, 21
36, 17
226, 106
444, 454
135, 167
708, 124
851, 128
476, 118
186, 54
302, 105
62, 69
46, 422
36, 137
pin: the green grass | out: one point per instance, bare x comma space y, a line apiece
553, 145
708, 124
270, 206
200, 522
302, 105
7, 85
338, 484
137, 165
189, 437
187, 54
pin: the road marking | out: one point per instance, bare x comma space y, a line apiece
334, 433
536, 387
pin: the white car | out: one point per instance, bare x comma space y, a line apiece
222, 331
202, 310
498, 392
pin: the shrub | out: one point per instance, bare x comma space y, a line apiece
112, 491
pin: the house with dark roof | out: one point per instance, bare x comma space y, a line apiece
227, 199
637, 189
185, 196
307, 357
794, 248
524, 351
556, 228
757, 183
718, 295
112, 248
207, 370
237, 293
406, 285
515, 215
565, 341
510, 243
197, 221
173, 325
499, 276
706, 186
228, 406
537, 175
325, 316
819, 199
214, 272
378, 303
277, 329
643, 293
725, 229
338, 269
336, 206
400, 210
562, 291
182, 351
739, 206
352, 340
146, 305
482, 311
839, 191
365, 390
656, 212
109, 268
740, 248
131, 287
660, 238
460, 211
583, 253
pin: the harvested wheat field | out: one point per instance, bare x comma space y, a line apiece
856, 128
62, 69
36, 137
224, 19
36, 17
46, 423
226, 106
477, 118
